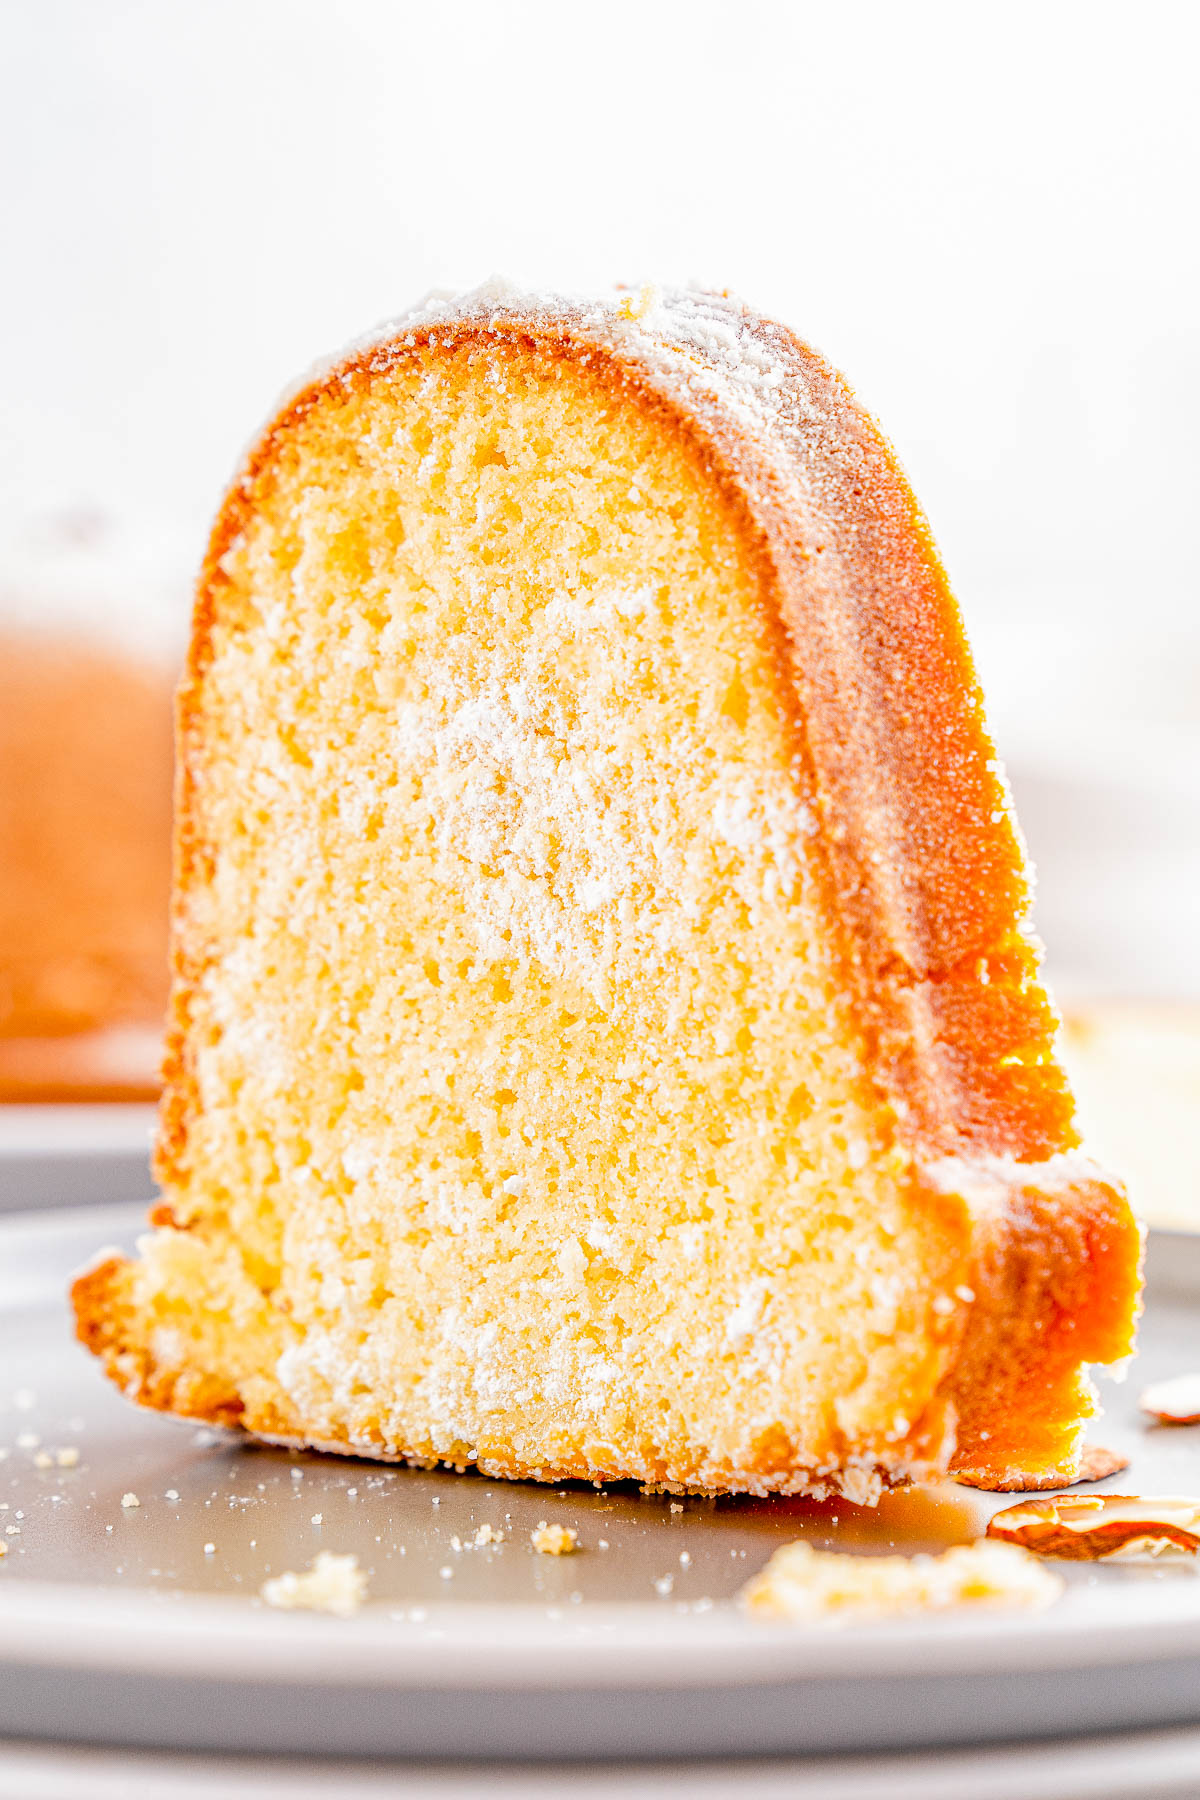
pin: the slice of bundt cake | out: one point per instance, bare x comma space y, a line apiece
607, 1036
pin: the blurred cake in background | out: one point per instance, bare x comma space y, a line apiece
91, 621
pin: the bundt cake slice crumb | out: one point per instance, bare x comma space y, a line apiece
607, 1039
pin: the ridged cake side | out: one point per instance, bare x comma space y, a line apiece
910, 860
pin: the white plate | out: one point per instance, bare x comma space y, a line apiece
117, 1625
1158, 1765
91, 1154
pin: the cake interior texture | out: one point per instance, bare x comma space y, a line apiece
522, 1117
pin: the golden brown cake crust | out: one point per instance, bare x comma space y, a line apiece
104, 1324
925, 869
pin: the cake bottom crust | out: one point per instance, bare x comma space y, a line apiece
1055, 1262
861, 1484
196, 1395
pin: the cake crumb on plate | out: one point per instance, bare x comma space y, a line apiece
334, 1584
554, 1540
800, 1583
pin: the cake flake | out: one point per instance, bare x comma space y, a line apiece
333, 1584
554, 1540
811, 1586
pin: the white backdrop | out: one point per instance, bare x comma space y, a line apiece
987, 216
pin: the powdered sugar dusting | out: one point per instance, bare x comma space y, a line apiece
989, 1180
560, 857
699, 342
696, 345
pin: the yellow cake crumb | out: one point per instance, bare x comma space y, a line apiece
334, 1584
487, 1534
554, 1540
129, 1500
67, 1457
641, 304
804, 1584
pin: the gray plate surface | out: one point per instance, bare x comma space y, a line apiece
75, 1155
142, 1624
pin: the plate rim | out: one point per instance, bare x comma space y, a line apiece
526, 1646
